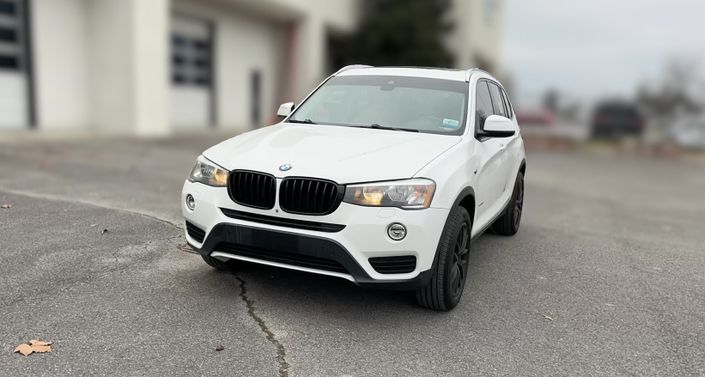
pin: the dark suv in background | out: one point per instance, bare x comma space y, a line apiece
616, 120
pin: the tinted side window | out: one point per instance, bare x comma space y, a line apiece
510, 111
483, 108
497, 101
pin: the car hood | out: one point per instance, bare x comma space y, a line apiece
342, 154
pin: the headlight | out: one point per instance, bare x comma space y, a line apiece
410, 194
208, 173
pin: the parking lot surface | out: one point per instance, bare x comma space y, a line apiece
605, 277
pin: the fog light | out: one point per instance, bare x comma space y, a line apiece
396, 231
190, 202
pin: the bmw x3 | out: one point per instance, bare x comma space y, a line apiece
381, 176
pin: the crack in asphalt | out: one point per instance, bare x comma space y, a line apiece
281, 351
283, 365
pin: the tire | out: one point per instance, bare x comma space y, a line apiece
444, 290
217, 263
508, 223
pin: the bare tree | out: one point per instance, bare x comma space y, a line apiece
678, 93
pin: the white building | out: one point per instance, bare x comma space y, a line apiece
149, 67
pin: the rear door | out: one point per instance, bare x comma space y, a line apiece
14, 99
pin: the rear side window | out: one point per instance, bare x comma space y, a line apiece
483, 107
510, 111
497, 100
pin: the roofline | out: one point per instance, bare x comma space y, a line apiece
468, 73
352, 66
471, 71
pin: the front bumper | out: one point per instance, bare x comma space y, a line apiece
363, 237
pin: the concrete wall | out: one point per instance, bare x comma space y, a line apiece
310, 21
150, 70
13, 101
128, 56
477, 33
284, 39
61, 64
105, 64
101, 64
341, 15
242, 44
259, 47
109, 38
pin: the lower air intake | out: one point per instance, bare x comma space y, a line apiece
284, 257
195, 232
394, 265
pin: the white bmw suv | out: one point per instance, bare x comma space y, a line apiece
381, 176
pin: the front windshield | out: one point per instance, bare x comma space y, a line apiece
404, 103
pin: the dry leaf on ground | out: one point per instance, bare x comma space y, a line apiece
24, 348
38, 346
6, 206
41, 349
39, 343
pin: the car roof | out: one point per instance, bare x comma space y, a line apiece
435, 73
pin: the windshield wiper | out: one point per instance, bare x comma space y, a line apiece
305, 121
381, 127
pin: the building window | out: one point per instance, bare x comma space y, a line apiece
8, 35
190, 60
11, 42
9, 62
8, 8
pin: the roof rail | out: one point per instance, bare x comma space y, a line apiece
470, 71
352, 66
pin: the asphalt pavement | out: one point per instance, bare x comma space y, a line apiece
605, 277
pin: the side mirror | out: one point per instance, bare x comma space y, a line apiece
498, 126
285, 109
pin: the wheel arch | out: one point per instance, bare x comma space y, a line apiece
522, 167
466, 199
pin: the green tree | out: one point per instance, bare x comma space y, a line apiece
398, 33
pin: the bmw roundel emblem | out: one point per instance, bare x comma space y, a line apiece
285, 167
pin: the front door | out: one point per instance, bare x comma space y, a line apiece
491, 152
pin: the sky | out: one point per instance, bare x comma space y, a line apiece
591, 49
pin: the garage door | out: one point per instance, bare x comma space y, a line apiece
191, 73
13, 72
